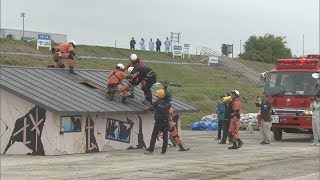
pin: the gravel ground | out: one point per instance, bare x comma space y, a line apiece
291, 158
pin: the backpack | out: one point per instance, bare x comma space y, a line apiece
162, 110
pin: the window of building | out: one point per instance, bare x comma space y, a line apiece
118, 130
70, 124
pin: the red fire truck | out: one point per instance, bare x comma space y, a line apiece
290, 87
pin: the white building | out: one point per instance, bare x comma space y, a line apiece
29, 35
51, 112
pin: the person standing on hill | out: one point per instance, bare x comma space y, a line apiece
167, 45
158, 45
151, 45
142, 45
64, 51
132, 44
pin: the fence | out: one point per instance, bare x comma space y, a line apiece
234, 67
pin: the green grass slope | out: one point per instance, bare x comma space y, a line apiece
201, 85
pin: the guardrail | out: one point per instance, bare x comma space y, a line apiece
234, 67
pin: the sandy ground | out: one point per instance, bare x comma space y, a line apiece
292, 159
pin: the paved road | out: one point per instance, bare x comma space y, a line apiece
291, 159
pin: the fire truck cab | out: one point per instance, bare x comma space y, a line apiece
290, 87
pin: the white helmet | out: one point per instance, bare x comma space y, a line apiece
120, 66
74, 43
130, 69
236, 92
133, 57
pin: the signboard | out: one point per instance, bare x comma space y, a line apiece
213, 61
44, 40
177, 51
186, 50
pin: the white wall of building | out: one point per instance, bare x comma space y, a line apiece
20, 121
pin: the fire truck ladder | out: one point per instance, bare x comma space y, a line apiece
234, 67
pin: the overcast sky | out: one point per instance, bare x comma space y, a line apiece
201, 22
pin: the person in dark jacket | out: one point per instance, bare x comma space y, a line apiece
144, 76
226, 122
132, 44
265, 111
221, 108
162, 110
158, 45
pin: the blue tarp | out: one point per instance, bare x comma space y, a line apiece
205, 125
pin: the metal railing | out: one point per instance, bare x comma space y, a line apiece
234, 67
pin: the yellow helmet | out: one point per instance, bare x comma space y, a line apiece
160, 93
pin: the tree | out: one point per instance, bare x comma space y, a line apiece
267, 48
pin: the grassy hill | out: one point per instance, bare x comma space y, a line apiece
201, 85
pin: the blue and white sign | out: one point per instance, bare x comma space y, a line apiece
44, 40
213, 61
186, 50
177, 51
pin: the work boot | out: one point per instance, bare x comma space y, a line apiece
148, 153
62, 66
111, 96
50, 66
71, 71
240, 143
234, 146
131, 96
182, 148
124, 100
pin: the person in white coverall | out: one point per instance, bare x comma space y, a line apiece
315, 108
142, 46
151, 45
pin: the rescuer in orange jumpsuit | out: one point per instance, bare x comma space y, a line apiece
64, 51
174, 132
235, 121
115, 83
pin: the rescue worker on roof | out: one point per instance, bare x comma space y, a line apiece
162, 111
64, 51
235, 120
144, 76
114, 82
134, 61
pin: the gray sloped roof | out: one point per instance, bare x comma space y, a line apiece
59, 91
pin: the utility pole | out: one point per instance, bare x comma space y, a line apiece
23, 15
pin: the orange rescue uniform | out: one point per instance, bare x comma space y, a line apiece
64, 49
235, 120
114, 82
